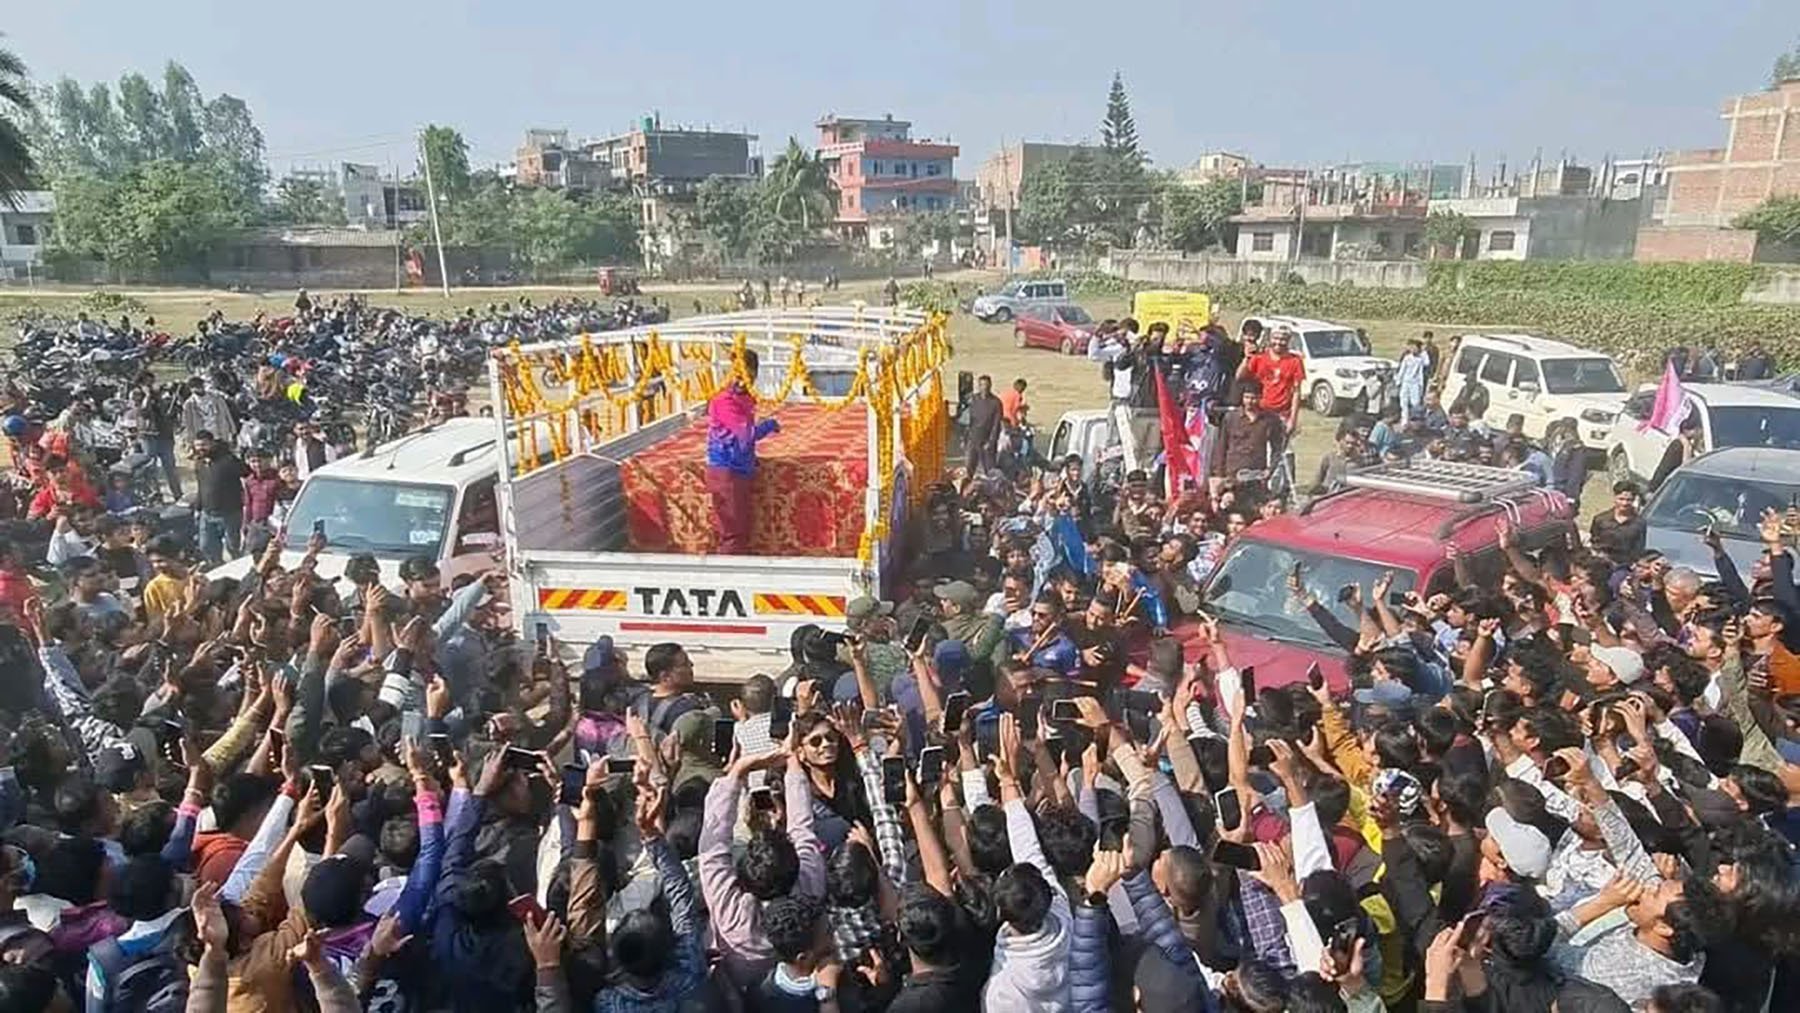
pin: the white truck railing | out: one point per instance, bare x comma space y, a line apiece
596, 400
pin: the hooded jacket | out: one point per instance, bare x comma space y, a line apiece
1031, 970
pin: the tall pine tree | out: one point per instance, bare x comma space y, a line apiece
1118, 132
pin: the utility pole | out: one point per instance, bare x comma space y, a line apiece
1011, 198
431, 195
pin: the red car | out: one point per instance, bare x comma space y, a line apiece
1062, 327
1393, 518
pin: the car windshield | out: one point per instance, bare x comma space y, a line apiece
1073, 315
1010, 288
1733, 506
1333, 344
383, 518
1250, 589
1755, 427
1582, 376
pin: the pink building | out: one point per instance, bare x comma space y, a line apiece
880, 171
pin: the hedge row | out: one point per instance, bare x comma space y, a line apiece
1624, 281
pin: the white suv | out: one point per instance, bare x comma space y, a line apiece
1564, 393
1729, 414
1340, 372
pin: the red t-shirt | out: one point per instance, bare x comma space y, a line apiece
1280, 377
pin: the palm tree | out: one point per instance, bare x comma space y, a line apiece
18, 172
801, 179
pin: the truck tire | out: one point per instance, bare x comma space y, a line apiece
1068, 346
1003, 315
1323, 399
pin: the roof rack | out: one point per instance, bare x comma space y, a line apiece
1447, 480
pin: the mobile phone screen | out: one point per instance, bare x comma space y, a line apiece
1247, 679
1112, 833
441, 745
1231, 812
1315, 676
1237, 856
323, 778
781, 718
931, 765
621, 764
574, 778
319, 527
1064, 710
955, 706
762, 799
521, 759
893, 779
724, 732
915, 637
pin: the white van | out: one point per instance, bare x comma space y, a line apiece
429, 493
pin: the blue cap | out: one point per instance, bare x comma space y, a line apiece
1386, 693
952, 659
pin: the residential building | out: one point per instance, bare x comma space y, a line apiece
374, 201
674, 158
24, 230
1711, 187
1637, 177
1330, 214
1551, 226
547, 159
998, 180
879, 170
1216, 165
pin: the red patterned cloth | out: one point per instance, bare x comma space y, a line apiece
808, 501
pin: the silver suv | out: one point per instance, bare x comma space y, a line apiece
999, 307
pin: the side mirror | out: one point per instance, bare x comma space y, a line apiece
1529, 387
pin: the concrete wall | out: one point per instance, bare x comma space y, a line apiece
1201, 272
1695, 243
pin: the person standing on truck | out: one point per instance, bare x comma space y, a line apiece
1248, 439
1279, 373
983, 426
731, 436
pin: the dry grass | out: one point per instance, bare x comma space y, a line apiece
1058, 383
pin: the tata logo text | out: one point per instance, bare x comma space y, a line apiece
695, 602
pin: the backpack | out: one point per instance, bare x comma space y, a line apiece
155, 981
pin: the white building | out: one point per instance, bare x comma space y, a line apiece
24, 231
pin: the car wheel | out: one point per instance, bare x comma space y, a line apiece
1559, 438
1019, 337
1324, 401
1618, 467
1002, 315
1068, 346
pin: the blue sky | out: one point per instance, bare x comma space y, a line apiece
1295, 83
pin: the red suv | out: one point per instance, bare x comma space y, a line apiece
1393, 517
1064, 327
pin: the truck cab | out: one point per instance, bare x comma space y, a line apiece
1391, 518
429, 493
1341, 373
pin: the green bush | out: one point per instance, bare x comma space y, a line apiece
1685, 284
103, 303
1636, 332
931, 296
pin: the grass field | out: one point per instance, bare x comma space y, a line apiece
1058, 383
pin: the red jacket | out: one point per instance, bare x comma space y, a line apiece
43, 503
215, 855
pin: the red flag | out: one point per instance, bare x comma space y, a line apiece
1176, 466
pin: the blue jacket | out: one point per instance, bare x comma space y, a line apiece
1090, 970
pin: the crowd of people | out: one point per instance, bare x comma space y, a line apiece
1035, 780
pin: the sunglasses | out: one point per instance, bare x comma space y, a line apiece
820, 740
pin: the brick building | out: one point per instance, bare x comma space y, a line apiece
1709, 188
881, 172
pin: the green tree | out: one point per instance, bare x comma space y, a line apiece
303, 201
1194, 217
1787, 67
159, 214
1118, 131
186, 109
18, 169
723, 210
1776, 219
449, 156
1446, 231
233, 148
922, 229
800, 188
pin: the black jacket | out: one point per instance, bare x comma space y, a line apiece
219, 483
